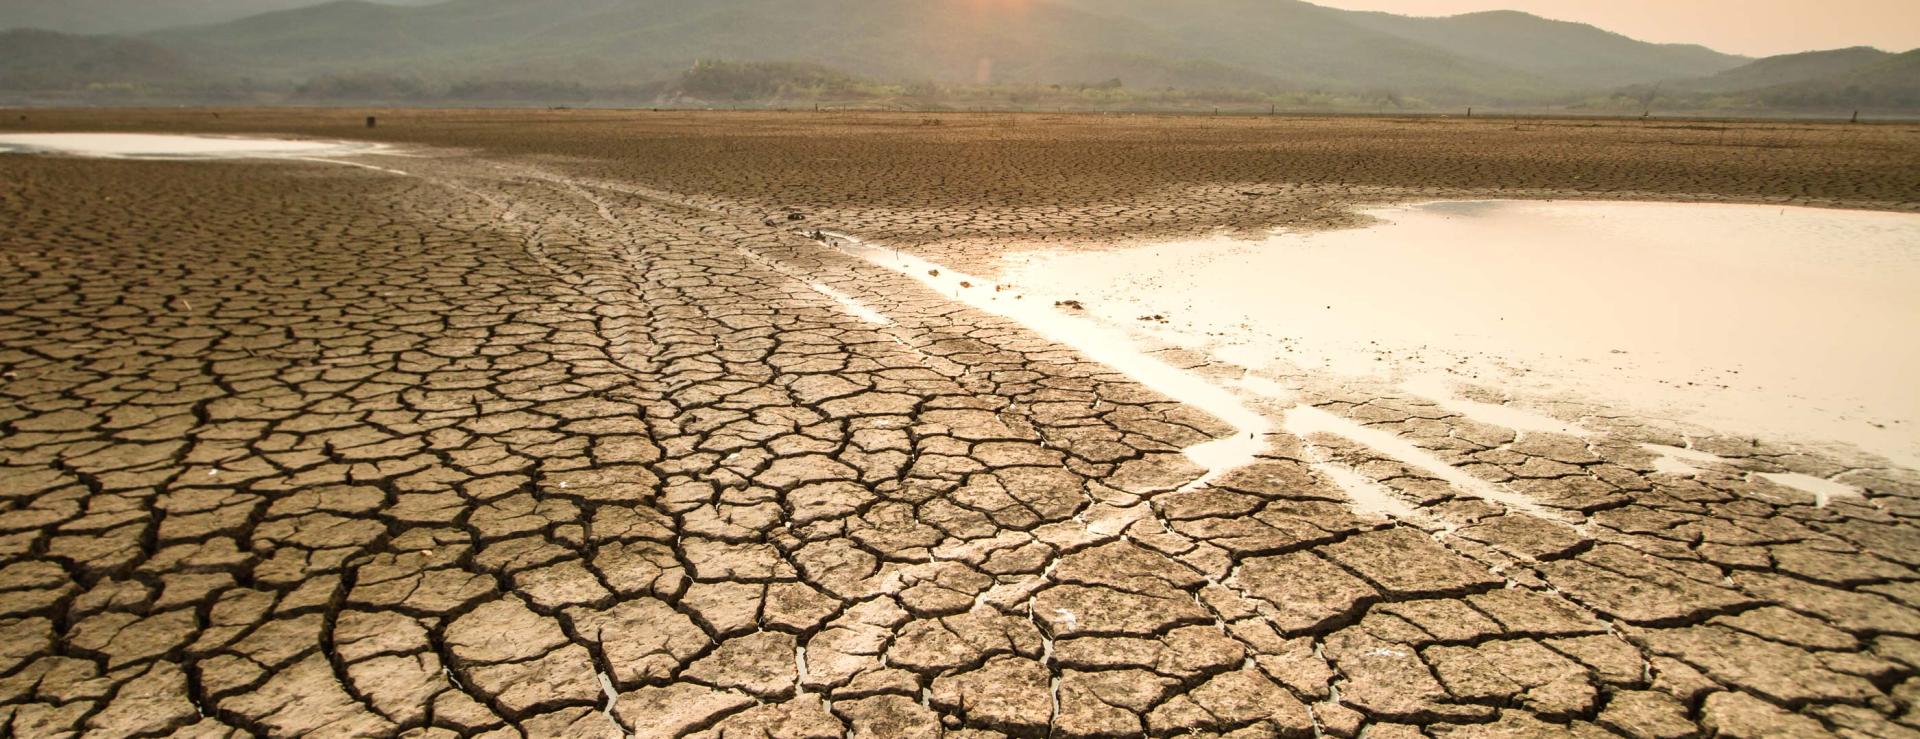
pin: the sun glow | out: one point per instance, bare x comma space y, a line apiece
1001, 10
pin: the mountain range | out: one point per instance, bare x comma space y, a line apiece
1857, 77
136, 16
574, 50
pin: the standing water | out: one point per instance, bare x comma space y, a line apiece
168, 146
188, 147
1792, 323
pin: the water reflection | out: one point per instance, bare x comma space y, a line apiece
1789, 322
169, 146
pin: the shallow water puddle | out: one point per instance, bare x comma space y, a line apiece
188, 147
1437, 389
853, 307
1791, 323
1680, 461
1369, 497
1824, 491
1305, 421
1097, 342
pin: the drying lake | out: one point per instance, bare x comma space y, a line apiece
1780, 321
625, 423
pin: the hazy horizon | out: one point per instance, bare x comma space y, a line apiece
1247, 55
1766, 27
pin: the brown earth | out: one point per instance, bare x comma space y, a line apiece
972, 186
554, 438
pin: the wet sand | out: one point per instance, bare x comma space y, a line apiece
586, 425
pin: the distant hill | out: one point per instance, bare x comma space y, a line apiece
1249, 43
615, 38
1788, 69
50, 61
1569, 54
134, 16
1309, 46
1892, 83
1833, 82
1102, 52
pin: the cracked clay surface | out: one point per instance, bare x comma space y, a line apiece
510, 446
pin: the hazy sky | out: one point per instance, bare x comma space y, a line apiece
1752, 27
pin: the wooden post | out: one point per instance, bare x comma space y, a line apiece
1856, 117
371, 122
1469, 111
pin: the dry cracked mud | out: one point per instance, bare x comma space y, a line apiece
535, 442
